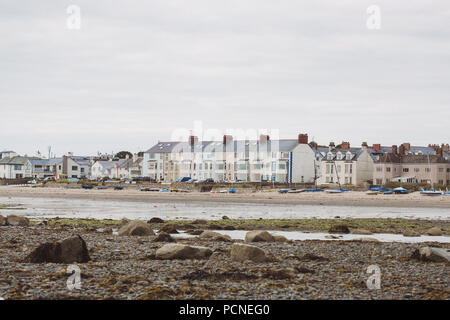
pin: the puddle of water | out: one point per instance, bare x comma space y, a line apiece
297, 235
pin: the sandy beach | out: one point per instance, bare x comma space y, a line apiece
354, 198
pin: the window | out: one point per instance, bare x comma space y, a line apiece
416, 169
379, 169
379, 182
257, 166
441, 169
18, 167
328, 168
74, 168
282, 166
427, 169
405, 169
441, 182
388, 169
82, 170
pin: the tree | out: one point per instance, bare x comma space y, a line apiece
123, 155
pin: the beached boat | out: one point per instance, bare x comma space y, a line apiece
87, 187
296, 190
337, 190
447, 193
400, 190
313, 190
118, 187
431, 193
372, 193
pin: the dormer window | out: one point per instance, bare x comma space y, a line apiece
330, 156
348, 156
339, 156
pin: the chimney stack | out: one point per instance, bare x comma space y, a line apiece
313, 145
376, 147
394, 149
227, 139
263, 138
303, 138
364, 145
345, 145
407, 146
193, 140
402, 150
331, 146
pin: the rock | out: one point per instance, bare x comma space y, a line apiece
333, 237
13, 220
411, 233
2, 221
215, 236
225, 218
136, 228
181, 251
432, 254
194, 232
280, 238
367, 239
155, 220
361, 231
163, 237
242, 252
259, 236
229, 228
339, 228
312, 257
169, 228
214, 227
200, 221
435, 231
67, 251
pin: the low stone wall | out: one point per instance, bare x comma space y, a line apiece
4, 182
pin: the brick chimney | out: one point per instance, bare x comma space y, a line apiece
263, 138
303, 138
193, 140
394, 149
345, 145
313, 145
376, 147
407, 146
227, 139
402, 150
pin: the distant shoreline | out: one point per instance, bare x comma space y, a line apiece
354, 198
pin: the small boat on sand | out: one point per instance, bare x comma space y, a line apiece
431, 193
399, 190
87, 187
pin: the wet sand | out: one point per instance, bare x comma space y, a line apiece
354, 198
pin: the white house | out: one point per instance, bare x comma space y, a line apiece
15, 168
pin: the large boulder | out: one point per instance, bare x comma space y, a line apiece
242, 252
70, 250
411, 233
280, 238
169, 228
182, 252
432, 254
163, 237
2, 221
259, 236
435, 231
155, 220
215, 236
136, 228
339, 228
14, 220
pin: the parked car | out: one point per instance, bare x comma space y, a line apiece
183, 179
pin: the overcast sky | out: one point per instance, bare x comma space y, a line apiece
138, 70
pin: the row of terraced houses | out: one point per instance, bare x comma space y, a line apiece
296, 161
283, 160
